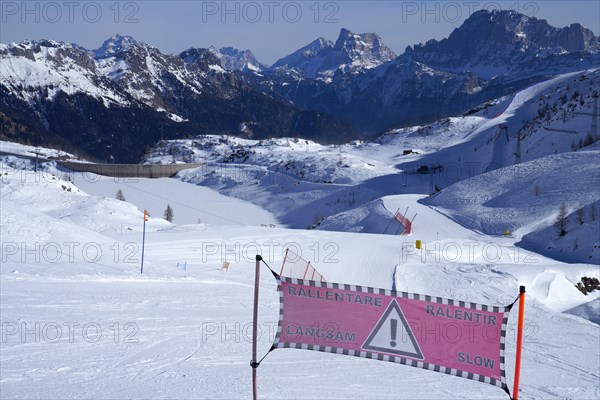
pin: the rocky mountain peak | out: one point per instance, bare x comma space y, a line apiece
492, 43
357, 80
114, 45
233, 59
59, 54
577, 38
306, 59
203, 58
351, 52
365, 50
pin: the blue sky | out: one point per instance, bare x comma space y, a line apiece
271, 29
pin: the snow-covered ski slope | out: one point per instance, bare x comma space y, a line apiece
184, 333
79, 320
549, 117
506, 165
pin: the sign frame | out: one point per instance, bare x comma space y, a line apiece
399, 359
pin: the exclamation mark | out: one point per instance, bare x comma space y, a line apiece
394, 325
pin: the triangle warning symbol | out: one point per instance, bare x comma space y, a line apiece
393, 335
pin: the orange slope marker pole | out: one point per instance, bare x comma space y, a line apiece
284, 258
519, 343
143, 241
253, 363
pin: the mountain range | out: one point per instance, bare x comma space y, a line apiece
115, 101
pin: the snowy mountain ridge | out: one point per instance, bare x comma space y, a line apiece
55, 66
134, 89
114, 45
233, 59
353, 53
520, 43
492, 54
360, 88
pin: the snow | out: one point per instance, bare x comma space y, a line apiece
190, 203
321, 58
112, 68
304, 159
466, 145
217, 68
590, 311
184, 334
71, 69
113, 45
69, 77
171, 116
30, 151
510, 202
71, 256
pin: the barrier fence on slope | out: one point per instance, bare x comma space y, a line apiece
387, 325
297, 267
405, 222
405, 227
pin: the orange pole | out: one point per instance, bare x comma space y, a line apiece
519, 343
306, 270
283, 264
143, 240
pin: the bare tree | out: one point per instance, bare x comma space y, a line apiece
593, 212
169, 213
581, 215
561, 220
120, 195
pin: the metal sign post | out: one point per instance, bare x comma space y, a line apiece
253, 363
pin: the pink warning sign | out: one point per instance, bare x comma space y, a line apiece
443, 335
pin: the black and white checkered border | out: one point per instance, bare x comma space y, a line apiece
396, 359
502, 348
280, 322
393, 293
